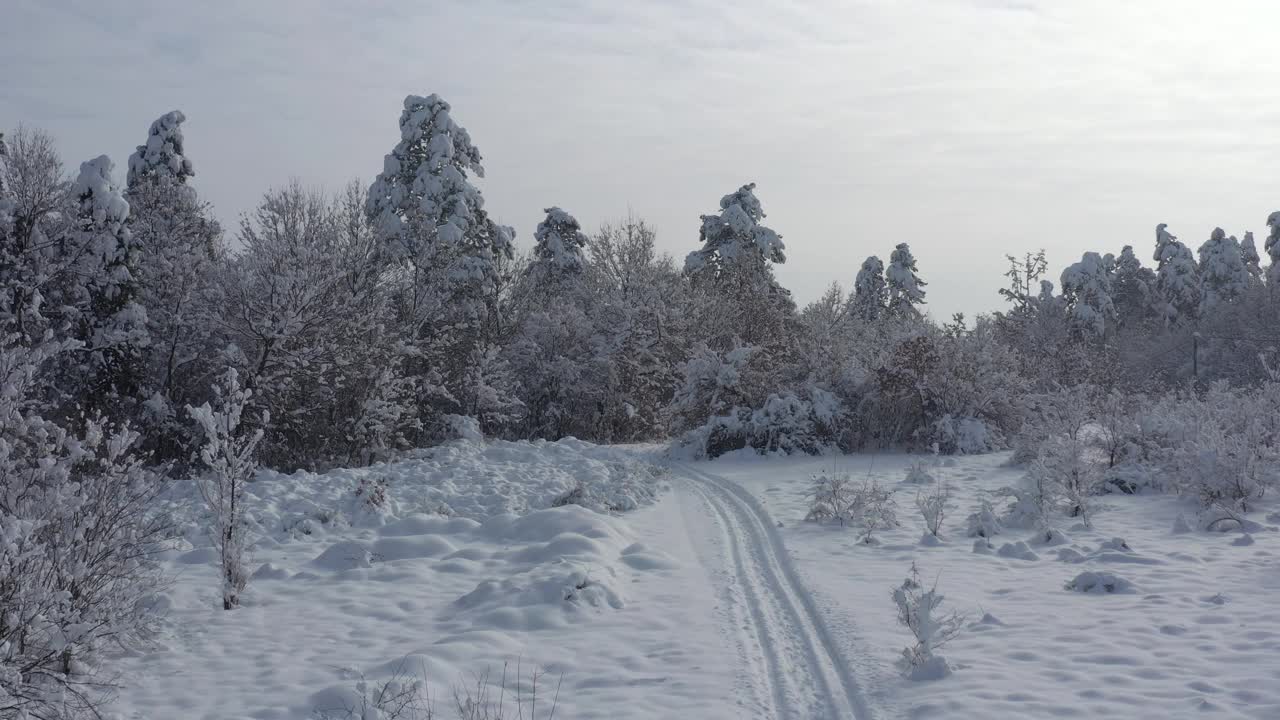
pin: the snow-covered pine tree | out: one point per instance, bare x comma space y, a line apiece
734, 268
870, 292
1177, 279
558, 249
179, 244
107, 318
431, 220
1272, 248
162, 155
1224, 277
734, 243
554, 353
1132, 286
1252, 261
1087, 290
906, 289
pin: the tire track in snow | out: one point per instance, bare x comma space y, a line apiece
801, 665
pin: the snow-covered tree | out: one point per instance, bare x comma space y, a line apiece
1224, 277
227, 454
733, 268
67, 267
1177, 279
1087, 290
1252, 261
304, 310
870, 292
108, 320
557, 250
638, 303
734, 242
178, 244
1132, 287
1272, 248
432, 223
162, 155
906, 289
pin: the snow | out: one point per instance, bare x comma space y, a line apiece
465, 566
711, 600
1188, 629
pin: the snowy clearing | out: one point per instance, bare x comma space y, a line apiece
715, 601
1194, 636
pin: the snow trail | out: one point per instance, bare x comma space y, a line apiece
795, 664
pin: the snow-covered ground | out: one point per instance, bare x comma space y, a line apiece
1197, 635
699, 592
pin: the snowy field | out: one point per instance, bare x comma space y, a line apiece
697, 591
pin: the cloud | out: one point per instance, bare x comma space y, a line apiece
969, 129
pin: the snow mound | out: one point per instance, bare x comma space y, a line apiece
1092, 581
1018, 550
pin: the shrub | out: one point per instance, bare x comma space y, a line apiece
228, 454
78, 543
830, 497
932, 505
869, 504
983, 523
918, 612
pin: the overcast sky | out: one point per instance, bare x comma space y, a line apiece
968, 128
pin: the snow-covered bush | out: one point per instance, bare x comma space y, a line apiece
78, 541
1067, 475
983, 523
1032, 503
713, 383
830, 496
1064, 412
869, 505
932, 504
918, 611
875, 508
1221, 447
791, 423
372, 491
953, 391
1117, 432
227, 454
964, 436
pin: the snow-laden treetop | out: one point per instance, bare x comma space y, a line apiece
736, 235
162, 156
100, 200
424, 178
905, 286
559, 241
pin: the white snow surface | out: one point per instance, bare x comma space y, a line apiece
1189, 631
713, 600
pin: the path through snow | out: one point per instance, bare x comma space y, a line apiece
794, 666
